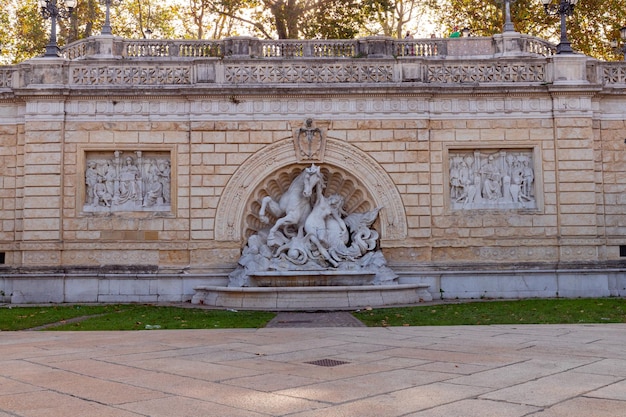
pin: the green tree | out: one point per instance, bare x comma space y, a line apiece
146, 19
590, 29
30, 32
86, 20
214, 18
5, 34
293, 19
396, 17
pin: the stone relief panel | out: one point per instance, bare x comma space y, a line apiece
484, 179
127, 181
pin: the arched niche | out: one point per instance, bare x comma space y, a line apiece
348, 171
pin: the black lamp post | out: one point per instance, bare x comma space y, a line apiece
106, 29
564, 8
508, 25
50, 9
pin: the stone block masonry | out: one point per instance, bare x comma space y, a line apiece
494, 179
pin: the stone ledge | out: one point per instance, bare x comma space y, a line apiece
306, 298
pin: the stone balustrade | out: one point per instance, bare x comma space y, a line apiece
497, 163
251, 61
372, 47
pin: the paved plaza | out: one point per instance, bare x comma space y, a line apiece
465, 371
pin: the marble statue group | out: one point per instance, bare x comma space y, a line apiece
311, 232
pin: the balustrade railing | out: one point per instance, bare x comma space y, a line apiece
147, 49
75, 50
462, 67
537, 46
204, 49
283, 49
420, 48
291, 48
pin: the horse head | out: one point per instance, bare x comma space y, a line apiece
312, 178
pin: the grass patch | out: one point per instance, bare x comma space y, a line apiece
552, 311
146, 316
128, 317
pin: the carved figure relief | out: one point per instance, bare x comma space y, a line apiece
492, 180
131, 182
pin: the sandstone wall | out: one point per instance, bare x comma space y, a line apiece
396, 144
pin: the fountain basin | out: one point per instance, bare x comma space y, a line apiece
346, 297
314, 278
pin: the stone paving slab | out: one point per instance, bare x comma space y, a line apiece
457, 371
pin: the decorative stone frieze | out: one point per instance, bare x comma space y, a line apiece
613, 73
131, 75
348, 72
490, 72
499, 167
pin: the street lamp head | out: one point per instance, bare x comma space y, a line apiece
51, 9
563, 8
622, 33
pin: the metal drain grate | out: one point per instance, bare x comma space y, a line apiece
327, 362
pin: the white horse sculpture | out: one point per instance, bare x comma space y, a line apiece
295, 204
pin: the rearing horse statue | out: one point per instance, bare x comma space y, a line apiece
295, 204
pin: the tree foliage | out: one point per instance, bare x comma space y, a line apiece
214, 19
30, 32
24, 33
591, 28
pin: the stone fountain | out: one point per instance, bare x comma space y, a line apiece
311, 254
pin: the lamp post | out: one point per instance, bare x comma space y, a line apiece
106, 29
564, 8
508, 25
50, 9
